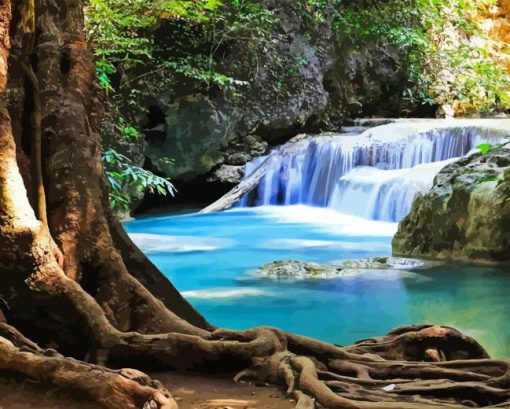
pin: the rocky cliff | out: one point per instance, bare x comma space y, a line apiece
465, 216
308, 77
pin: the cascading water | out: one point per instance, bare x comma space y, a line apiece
383, 194
375, 174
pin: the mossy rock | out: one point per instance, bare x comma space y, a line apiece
466, 214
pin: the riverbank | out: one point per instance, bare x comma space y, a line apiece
191, 391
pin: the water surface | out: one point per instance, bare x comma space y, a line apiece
211, 259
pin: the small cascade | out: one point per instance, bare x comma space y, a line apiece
368, 173
386, 195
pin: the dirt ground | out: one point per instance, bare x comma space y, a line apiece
191, 392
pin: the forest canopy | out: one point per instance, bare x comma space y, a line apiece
452, 51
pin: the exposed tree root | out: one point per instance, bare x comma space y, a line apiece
113, 389
395, 371
333, 376
412, 344
358, 376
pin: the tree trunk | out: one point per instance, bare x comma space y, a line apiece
80, 286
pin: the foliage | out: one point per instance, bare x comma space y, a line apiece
127, 180
199, 69
485, 149
300, 61
126, 130
191, 38
122, 35
120, 29
447, 54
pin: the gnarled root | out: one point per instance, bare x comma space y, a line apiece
114, 389
350, 377
422, 343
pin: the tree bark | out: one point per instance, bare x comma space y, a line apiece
106, 304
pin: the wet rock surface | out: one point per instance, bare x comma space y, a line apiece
227, 174
299, 270
384, 263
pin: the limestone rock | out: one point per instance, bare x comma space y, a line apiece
377, 263
466, 214
310, 80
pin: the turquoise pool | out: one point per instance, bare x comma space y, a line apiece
211, 259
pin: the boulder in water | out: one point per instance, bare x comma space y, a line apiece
294, 269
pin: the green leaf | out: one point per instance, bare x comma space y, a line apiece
484, 148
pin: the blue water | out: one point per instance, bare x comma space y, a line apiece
211, 259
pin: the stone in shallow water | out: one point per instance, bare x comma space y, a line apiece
384, 263
294, 269
299, 270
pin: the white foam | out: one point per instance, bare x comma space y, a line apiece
379, 194
224, 293
405, 128
158, 243
307, 171
326, 220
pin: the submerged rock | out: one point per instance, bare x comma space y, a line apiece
466, 214
299, 270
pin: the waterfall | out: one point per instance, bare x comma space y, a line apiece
374, 174
383, 194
